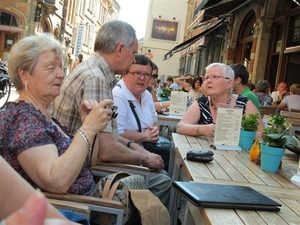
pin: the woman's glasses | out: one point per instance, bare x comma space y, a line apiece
139, 74
214, 77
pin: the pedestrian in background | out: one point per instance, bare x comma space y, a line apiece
77, 61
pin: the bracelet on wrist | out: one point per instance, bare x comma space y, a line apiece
85, 139
129, 143
198, 130
160, 104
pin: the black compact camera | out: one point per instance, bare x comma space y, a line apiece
114, 110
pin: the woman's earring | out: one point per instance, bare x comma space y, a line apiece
26, 86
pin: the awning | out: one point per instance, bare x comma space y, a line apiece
224, 7
204, 4
206, 28
218, 11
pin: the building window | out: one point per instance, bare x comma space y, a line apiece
278, 38
294, 32
7, 19
9, 41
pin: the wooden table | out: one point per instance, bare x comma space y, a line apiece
235, 167
168, 120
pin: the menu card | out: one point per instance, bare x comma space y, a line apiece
178, 102
228, 127
296, 177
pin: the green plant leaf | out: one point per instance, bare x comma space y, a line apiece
277, 134
250, 123
289, 140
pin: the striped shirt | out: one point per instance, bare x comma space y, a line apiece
206, 117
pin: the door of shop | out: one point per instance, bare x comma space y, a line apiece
7, 40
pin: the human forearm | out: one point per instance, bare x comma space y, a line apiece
161, 105
15, 191
113, 151
207, 130
281, 106
138, 137
52, 172
187, 129
134, 146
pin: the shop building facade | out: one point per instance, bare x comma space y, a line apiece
261, 34
74, 23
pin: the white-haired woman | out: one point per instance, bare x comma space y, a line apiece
201, 116
35, 144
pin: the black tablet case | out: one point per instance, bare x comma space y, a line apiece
225, 196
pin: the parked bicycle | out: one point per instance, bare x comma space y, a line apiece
5, 85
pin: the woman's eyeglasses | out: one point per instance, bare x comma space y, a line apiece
214, 77
139, 74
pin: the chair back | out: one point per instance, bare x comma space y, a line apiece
268, 110
290, 114
295, 110
292, 118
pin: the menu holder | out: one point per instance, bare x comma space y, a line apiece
178, 102
296, 177
228, 127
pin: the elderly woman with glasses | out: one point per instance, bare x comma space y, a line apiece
201, 116
34, 143
137, 118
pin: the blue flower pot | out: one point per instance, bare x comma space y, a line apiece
246, 139
270, 158
163, 99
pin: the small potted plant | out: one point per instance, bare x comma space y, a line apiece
274, 138
249, 126
165, 93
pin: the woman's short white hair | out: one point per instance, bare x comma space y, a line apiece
226, 70
24, 55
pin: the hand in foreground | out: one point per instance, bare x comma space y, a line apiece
94, 115
154, 161
208, 130
33, 212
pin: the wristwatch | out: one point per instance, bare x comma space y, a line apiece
129, 143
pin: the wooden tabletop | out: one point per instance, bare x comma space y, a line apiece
236, 168
169, 120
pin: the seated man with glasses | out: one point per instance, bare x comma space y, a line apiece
201, 116
137, 117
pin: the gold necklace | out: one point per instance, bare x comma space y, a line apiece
214, 106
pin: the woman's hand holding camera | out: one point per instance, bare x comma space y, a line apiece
95, 116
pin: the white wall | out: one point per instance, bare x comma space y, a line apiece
167, 10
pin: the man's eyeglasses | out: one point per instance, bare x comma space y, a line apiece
139, 74
215, 77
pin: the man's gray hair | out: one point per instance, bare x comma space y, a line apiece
111, 34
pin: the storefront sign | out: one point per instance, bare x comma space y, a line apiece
164, 30
79, 40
